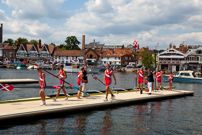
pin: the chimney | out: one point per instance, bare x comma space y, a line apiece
122, 46
1, 33
83, 42
170, 46
138, 47
39, 43
174, 46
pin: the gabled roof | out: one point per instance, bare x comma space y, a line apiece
170, 51
3, 44
9, 47
96, 52
115, 52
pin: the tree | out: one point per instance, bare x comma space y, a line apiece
22, 41
62, 47
33, 42
72, 43
9, 40
147, 58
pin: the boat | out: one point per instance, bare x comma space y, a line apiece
75, 68
32, 67
21, 66
185, 76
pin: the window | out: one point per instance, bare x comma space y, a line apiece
94, 56
121, 53
197, 58
101, 57
126, 58
114, 53
119, 58
129, 58
87, 56
115, 58
108, 53
108, 58
191, 58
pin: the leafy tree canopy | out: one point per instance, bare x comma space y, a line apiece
33, 42
22, 41
72, 43
147, 58
9, 40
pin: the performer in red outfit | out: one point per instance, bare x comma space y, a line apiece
141, 79
42, 85
62, 75
170, 78
107, 81
159, 76
80, 81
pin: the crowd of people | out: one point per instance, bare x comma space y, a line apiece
83, 80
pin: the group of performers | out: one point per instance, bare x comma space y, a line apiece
83, 80
149, 80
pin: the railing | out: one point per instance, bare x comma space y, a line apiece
176, 61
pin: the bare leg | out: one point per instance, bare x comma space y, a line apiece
107, 91
64, 92
160, 85
58, 93
141, 86
42, 95
157, 85
138, 85
79, 92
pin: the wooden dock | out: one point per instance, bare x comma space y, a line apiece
29, 110
18, 81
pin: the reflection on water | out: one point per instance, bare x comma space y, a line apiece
173, 116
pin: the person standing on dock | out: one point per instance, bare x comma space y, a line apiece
80, 81
170, 78
150, 80
159, 76
42, 85
62, 76
141, 79
107, 82
85, 77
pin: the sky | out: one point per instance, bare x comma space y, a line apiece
106, 21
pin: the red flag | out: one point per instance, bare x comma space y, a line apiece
135, 44
6, 87
157, 45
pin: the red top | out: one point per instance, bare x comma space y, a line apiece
79, 74
158, 75
141, 74
108, 75
42, 80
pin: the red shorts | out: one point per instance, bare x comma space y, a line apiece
107, 82
158, 80
170, 81
62, 83
79, 82
140, 81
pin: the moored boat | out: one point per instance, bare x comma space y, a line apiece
21, 66
185, 76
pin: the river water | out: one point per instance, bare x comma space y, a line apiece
173, 116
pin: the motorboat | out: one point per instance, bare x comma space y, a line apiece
185, 76
21, 66
75, 68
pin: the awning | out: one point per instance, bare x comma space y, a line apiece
171, 56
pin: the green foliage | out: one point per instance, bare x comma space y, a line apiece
34, 42
52, 43
72, 43
62, 47
22, 41
147, 59
9, 40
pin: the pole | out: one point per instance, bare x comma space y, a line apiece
135, 67
155, 69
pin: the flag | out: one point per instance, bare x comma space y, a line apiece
157, 45
135, 44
